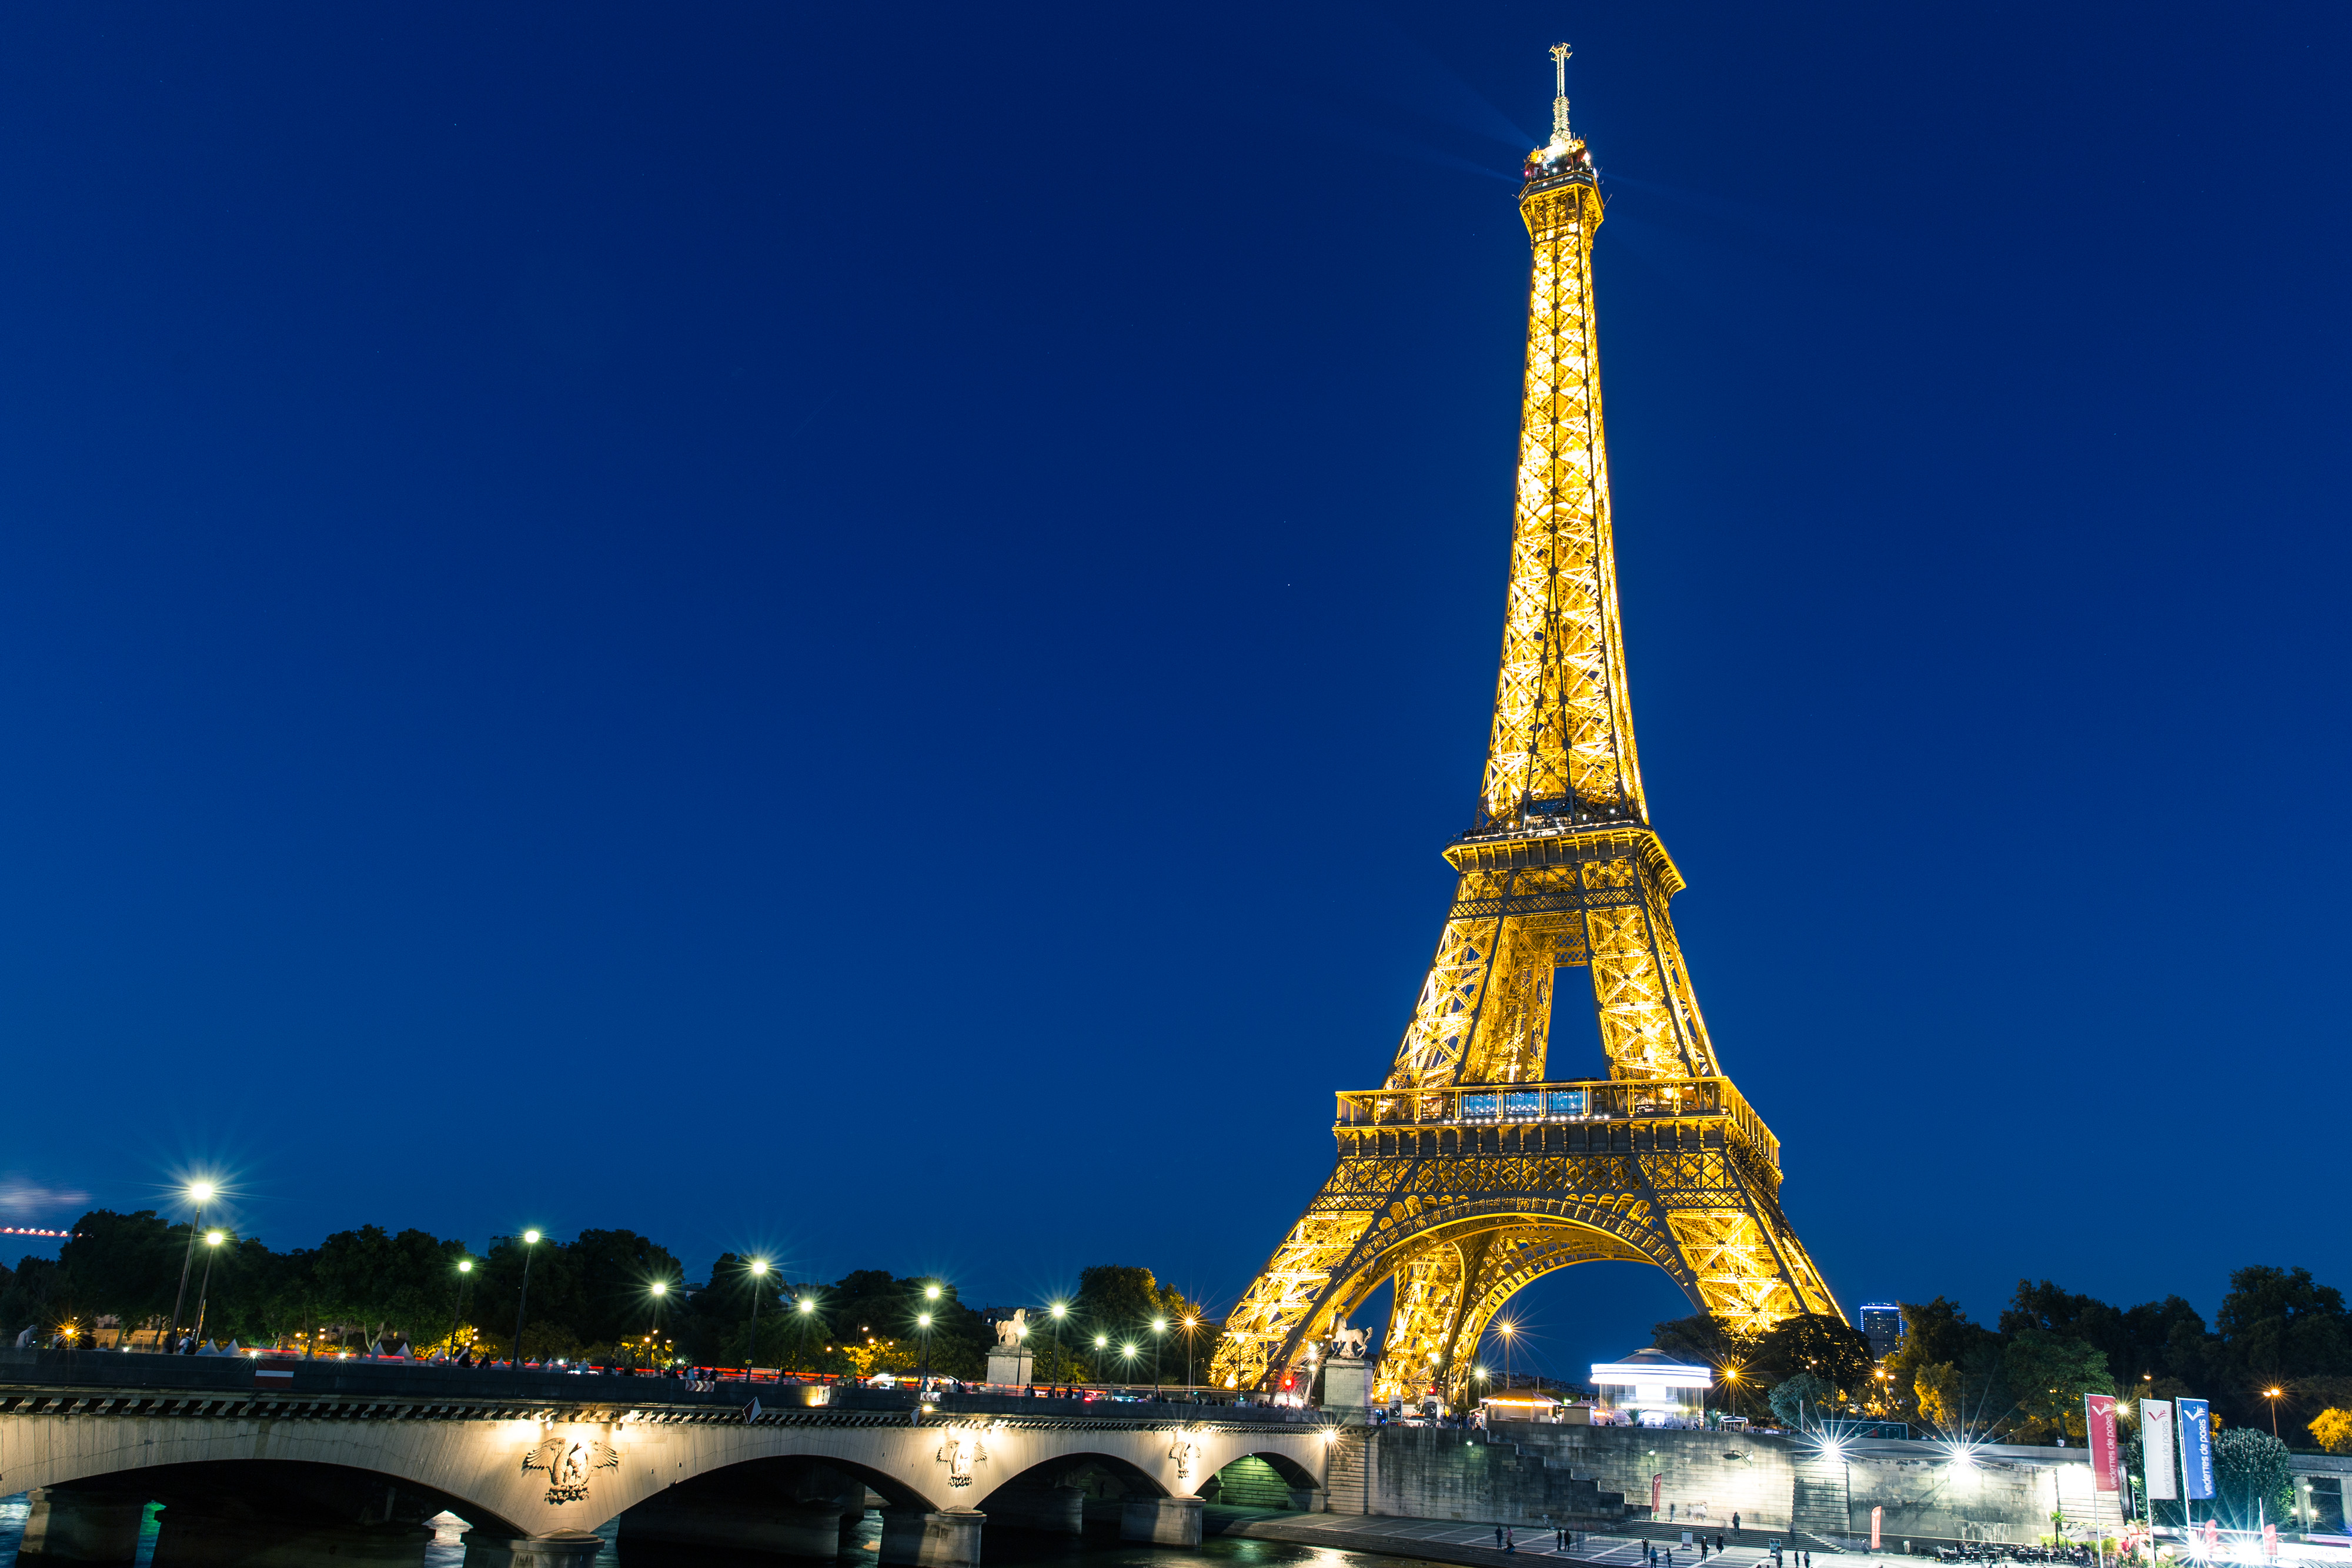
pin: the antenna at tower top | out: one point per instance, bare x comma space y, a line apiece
1560, 53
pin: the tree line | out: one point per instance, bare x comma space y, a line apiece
604, 1297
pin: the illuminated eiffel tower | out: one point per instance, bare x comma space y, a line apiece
1468, 1174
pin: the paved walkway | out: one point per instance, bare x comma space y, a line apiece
1462, 1542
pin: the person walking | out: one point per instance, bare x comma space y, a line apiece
1735, 1524
1498, 1538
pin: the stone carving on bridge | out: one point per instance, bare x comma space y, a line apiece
569, 1461
1012, 1330
1185, 1451
963, 1447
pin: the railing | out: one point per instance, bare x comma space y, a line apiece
1574, 1100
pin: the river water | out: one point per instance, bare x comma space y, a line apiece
1008, 1549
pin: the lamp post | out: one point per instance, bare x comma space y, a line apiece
1158, 1333
806, 1307
1507, 1330
923, 1386
212, 1238
1189, 1323
759, 1273
522, 1302
203, 1193
1059, 1311
2273, 1395
457, 1314
1126, 1362
1102, 1348
656, 1290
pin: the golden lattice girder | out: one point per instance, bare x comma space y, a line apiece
1467, 1174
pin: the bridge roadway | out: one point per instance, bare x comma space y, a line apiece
348, 1459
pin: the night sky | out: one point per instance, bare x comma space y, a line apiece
853, 630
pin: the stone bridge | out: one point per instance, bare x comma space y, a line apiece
293, 1460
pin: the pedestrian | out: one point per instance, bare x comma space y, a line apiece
1510, 1542
1718, 1542
1735, 1523
1498, 1538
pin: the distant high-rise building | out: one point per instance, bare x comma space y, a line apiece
1882, 1324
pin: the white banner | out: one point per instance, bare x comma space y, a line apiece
2155, 1450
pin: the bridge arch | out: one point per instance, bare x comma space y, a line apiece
1074, 1469
1262, 1479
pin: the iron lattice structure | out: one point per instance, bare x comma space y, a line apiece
1467, 1175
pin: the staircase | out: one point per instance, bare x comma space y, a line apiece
1819, 1505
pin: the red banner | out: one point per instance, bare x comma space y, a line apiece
1878, 1516
2107, 1466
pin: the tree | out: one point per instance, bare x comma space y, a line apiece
1937, 1334
1801, 1401
2333, 1427
2276, 1326
126, 1265
1935, 1388
611, 1272
1822, 1346
1121, 1302
2253, 1479
377, 1283
2048, 1374
35, 1297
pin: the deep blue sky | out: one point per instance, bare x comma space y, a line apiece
853, 630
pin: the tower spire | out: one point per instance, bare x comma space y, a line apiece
1559, 133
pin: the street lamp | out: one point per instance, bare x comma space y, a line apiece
1189, 1324
457, 1314
202, 1192
1126, 1362
923, 1322
657, 1291
759, 1272
2273, 1395
212, 1238
1059, 1311
1102, 1344
1507, 1330
1159, 1332
522, 1302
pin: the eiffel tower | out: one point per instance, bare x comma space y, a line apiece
1467, 1174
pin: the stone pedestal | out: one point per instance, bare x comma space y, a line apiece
1056, 1510
188, 1539
781, 1528
1011, 1367
914, 1538
564, 1549
1162, 1520
1347, 1391
83, 1527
